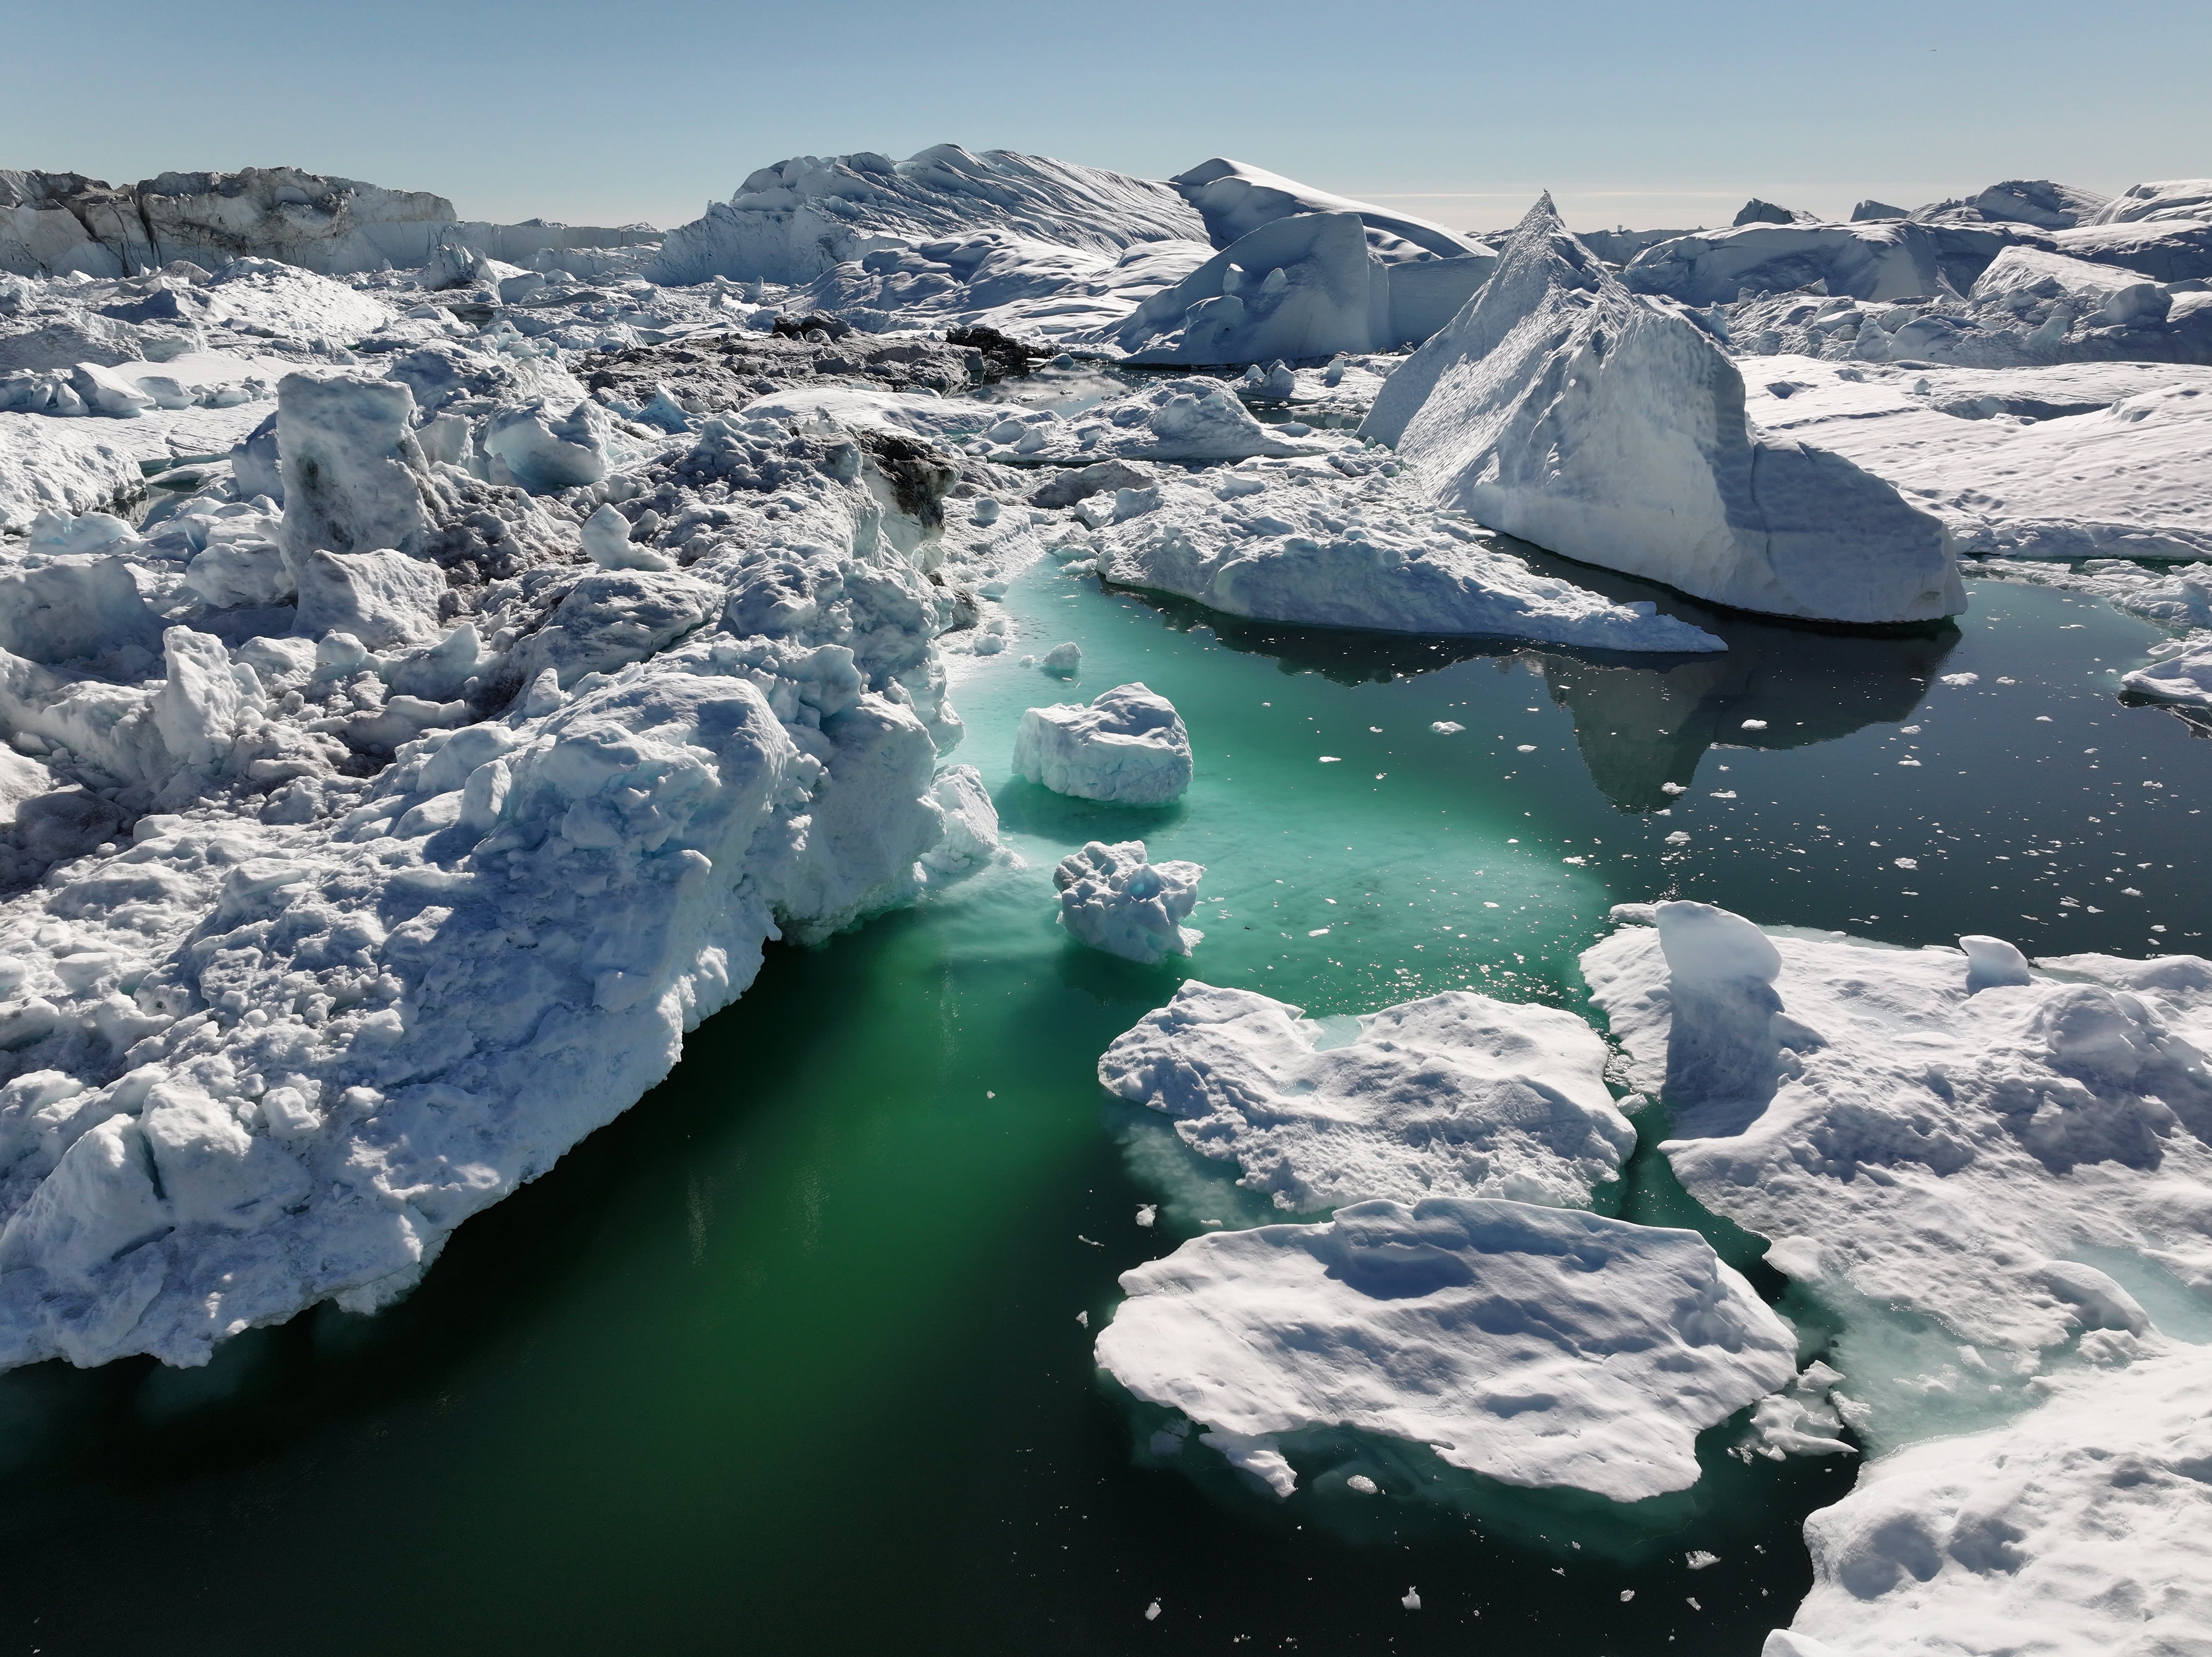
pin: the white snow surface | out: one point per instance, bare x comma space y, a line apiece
2068, 461
1910, 1129
1564, 409
1129, 746
1313, 546
1537, 1346
386, 844
1451, 1095
1115, 898
792, 221
2077, 1530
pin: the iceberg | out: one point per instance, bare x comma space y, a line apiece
1877, 259
1939, 1132
1235, 199
1451, 1095
1564, 409
2184, 679
794, 221
1113, 898
1129, 746
2077, 1529
1316, 547
1541, 1347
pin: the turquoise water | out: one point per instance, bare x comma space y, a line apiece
788, 1358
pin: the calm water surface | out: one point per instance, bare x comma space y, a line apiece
788, 1359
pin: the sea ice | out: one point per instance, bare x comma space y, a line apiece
1129, 746
1560, 407
1451, 1095
1537, 1346
1112, 898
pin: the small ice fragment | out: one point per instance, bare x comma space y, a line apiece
1363, 1484
1754, 724
1080, 1238
1674, 788
1694, 1606
1723, 793
1908, 863
1526, 748
1318, 932
1146, 1213
1062, 658
1698, 1559
1960, 679
1152, 1612
1332, 759
1447, 727
1627, 1594
1679, 837
986, 513
1413, 1599
1375, 729
1084, 1318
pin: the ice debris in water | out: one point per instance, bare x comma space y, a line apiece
1147, 1214
1948, 1134
1411, 1601
1699, 1559
1062, 658
1361, 1484
1386, 1319
1112, 898
1447, 727
1152, 1612
1453, 1095
1129, 746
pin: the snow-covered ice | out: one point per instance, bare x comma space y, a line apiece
2077, 1530
1994, 1158
1451, 1095
1235, 199
1317, 546
2184, 678
1537, 1346
1113, 898
1562, 408
1129, 746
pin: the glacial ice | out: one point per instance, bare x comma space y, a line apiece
1451, 1095
1113, 898
1880, 260
1911, 1130
1562, 408
1419, 1322
1235, 199
1129, 746
2186, 678
2077, 1529
1317, 546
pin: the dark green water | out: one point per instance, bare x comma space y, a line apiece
787, 1360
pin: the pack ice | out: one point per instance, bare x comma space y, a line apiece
1564, 409
1537, 1346
373, 848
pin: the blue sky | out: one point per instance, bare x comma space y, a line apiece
1645, 114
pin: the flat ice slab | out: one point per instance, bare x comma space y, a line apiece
1129, 746
2078, 1530
1950, 1134
1537, 1346
1451, 1095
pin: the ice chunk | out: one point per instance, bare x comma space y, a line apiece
109, 393
1414, 1322
1129, 746
971, 821
1112, 898
1564, 409
352, 468
71, 608
1299, 287
382, 598
1063, 658
2186, 678
543, 451
1454, 1094
2076, 1529
606, 540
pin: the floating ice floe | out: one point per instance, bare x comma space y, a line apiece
1537, 1346
1560, 407
1313, 546
1993, 1152
2077, 1529
1113, 898
2186, 678
1129, 746
1451, 1095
